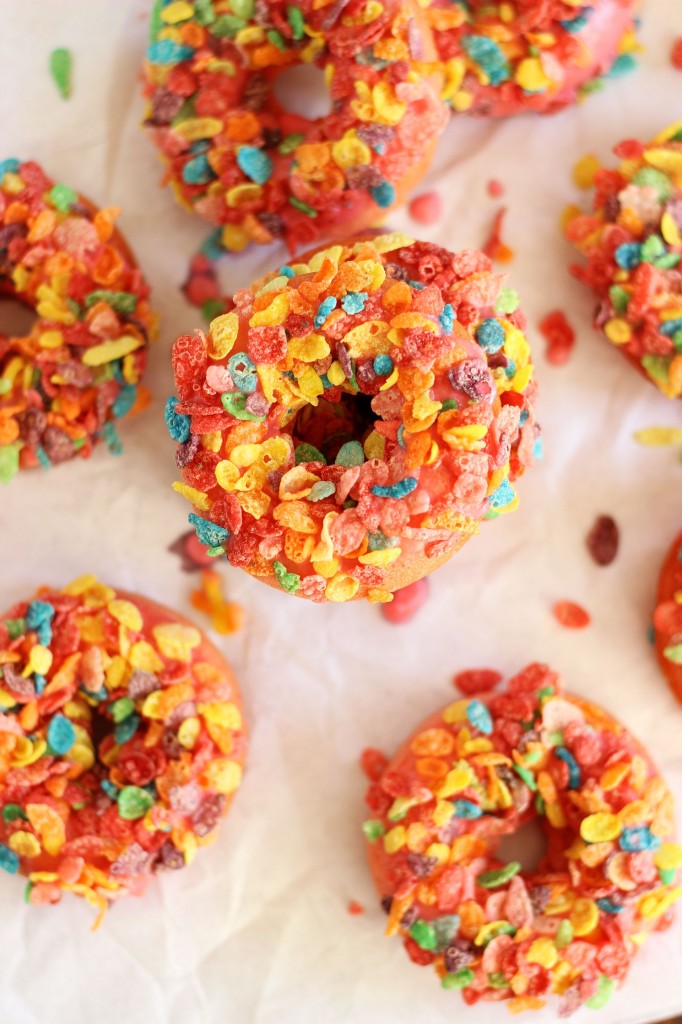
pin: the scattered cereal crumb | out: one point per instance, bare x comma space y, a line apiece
226, 616
495, 188
655, 437
406, 602
426, 208
355, 908
571, 615
559, 335
494, 247
61, 64
676, 54
476, 680
585, 170
193, 554
602, 540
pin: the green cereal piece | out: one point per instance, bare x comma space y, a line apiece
493, 879
373, 829
120, 302
604, 992
507, 301
674, 653
61, 64
296, 21
289, 581
227, 25
289, 143
424, 934
9, 462
62, 197
133, 803
15, 627
459, 980
564, 935
309, 453
121, 709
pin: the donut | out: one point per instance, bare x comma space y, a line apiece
343, 430
121, 742
78, 370
499, 59
477, 771
236, 156
668, 618
632, 244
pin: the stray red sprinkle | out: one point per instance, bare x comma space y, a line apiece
495, 248
373, 762
476, 680
406, 602
602, 540
571, 615
676, 55
355, 908
426, 208
559, 335
191, 551
495, 188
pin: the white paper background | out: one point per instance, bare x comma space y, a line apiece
257, 930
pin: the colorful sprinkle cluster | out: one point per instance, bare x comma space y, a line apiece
237, 157
504, 58
343, 430
478, 771
64, 385
633, 246
121, 742
668, 618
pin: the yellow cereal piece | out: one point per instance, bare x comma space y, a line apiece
350, 151
654, 437
442, 813
458, 437
585, 170
659, 903
222, 335
670, 231
243, 455
177, 11
424, 407
663, 136
341, 588
143, 656
126, 613
584, 917
296, 483
668, 857
441, 851
176, 641
256, 503
370, 338
223, 713
333, 253
668, 160
456, 712
199, 499
223, 775
461, 101
391, 242
488, 930
188, 733
81, 585
335, 374
417, 836
544, 952
378, 595
107, 351
380, 558
83, 754
51, 339
245, 193
327, 568
49, 826
395, 839
24, 844
273, 314
530, 75
196, 128
600, 828
555, 815
455, 781
308, 349
618, 330
226, 472
311, 384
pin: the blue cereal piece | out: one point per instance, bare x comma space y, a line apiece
487, 54
255, 164
178, 424
577, 24
287, 271
383, 194
242, 370
125, 400
9, 861
165, 51
609, 907
324, 309
382, 365
573, 770
198, 171
502, 496
447, 318
480, 717
354, 302
637, 839
490, 335
628, 255
61, 734
400, 489
208, 533
466, 809
126, 729
9, 166
321, 490
350, 454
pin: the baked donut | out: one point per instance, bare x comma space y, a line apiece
237, 157
499, 60
64, 385
479, 770
345, 428
668, 618
121, 742
632, 244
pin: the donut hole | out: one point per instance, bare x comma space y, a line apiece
16, 318
528, 845
301, 90
329, 425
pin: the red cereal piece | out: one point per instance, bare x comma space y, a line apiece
495, 188
373, 763
426, 208
667, 618
494, 247
560, 337
571, 615
603, 539
406, 602
476, 680
355, 908
676, 54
